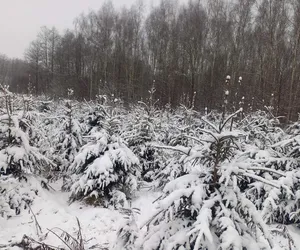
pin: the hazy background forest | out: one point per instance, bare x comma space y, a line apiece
185, 50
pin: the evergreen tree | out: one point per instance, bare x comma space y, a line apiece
18, 158
69, 137
17, 154
105, 169
207, 208
141, 131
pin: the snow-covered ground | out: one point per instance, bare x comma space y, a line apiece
99, 225
52, 210
283, 243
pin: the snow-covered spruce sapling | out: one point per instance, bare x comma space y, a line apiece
140, 131
271, 158
17, 155
263, 129
68, 139
183, 134
290, 145
29, 121
294, 128
206, 208
18, 158
102, 117
16, 195
283, 205
270, 182
190, 127
105, 170
267, 156
186, 121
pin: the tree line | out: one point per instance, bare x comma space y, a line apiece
184, 50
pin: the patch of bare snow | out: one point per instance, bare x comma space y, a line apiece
145, 203
99, 225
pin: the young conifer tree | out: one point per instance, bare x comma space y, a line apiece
140, 131
69, 137
17, 154
19, 159
105, 171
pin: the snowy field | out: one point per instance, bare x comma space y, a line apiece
94, 175
159, 125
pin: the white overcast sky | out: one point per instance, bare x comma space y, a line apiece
20, 20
